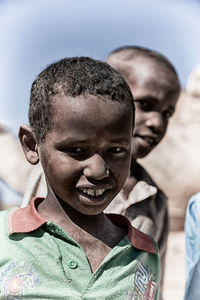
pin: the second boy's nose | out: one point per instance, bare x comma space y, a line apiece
156, 122
96, 168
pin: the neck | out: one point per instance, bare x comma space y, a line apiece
131, 180
93, 224
72, 221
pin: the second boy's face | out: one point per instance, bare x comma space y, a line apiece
155, 103
86, 155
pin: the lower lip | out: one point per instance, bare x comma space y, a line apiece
144, 142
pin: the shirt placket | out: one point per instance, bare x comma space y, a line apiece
74, 262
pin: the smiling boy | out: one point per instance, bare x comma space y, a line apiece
63, 246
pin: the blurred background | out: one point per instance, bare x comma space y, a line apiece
34, 33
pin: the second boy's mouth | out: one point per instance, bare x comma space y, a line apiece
149, 140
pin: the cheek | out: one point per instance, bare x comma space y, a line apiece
121, 170
60, 168
163, 132
165, 123
134, 149
140, 118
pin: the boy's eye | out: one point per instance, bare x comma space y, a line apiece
74, 150
167, 114
144, 105
115, 150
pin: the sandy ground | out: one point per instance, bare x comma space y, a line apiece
174, 283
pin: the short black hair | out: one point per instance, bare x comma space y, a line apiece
122, 57
74, 76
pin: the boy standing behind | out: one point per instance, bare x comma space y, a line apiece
63, 246
155, 86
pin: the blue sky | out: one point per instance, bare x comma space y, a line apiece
34, 33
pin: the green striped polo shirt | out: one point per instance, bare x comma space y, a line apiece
39, 260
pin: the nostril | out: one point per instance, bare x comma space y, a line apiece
107, 173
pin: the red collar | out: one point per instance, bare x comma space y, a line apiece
137, 238
27, 219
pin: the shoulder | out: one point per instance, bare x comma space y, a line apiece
192, 223
194, 203
193, 212
141, 174
137, 238
4, 221
145, 242
192, 236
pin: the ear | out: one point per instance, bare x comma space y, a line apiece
29, 144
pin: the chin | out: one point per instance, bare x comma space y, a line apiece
140, 155
91, 212
143, 155
143, 152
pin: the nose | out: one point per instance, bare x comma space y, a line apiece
95, 168
155, 122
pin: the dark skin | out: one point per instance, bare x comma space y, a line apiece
156, 91
96, 234
130, 182
84, 169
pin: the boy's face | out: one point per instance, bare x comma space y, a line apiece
155, 101
86, 154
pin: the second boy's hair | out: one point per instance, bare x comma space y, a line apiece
122, 58
74, 77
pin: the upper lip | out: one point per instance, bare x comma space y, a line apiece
94, 187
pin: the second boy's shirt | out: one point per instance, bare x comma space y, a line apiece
39, 260
146, 208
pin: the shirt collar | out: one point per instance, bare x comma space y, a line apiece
145, 186
141, 191
137, 238
27, 219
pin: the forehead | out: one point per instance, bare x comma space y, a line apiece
153, 78
90, 113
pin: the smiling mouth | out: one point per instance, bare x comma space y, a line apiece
92, 192
150, 140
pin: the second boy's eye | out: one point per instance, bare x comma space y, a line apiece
144, 105
74, 150
167, 114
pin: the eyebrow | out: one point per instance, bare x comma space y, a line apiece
70, 141
152, 99
122, 140
155, 100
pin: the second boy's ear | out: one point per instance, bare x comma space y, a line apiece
29, 144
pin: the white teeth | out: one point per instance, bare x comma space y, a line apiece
99, 192
92, 192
